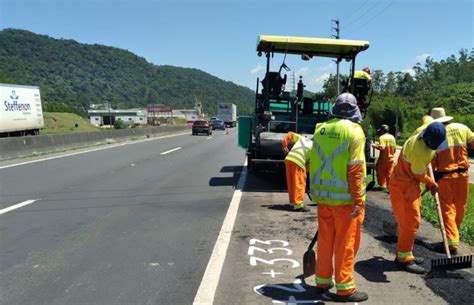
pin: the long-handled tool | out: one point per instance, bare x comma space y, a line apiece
309, 258
449, 263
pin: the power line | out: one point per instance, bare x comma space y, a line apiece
352, 13
370, 20
363, 14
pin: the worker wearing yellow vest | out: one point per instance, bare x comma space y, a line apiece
409, 172
337, 172
451, 171
386, 160
364, 74
296, 147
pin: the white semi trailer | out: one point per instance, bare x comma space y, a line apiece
228, 113
20, 113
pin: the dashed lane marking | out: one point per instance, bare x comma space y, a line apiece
17, 206
170, 151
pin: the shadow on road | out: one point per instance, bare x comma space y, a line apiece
373, 270
227, 181
297, 292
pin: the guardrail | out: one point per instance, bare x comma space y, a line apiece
16, 147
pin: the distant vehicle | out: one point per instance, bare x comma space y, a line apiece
201, 126
213, 119
228, 113
21, 113
218, 124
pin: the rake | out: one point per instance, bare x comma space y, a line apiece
449, 263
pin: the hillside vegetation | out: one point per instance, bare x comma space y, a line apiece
60, 122
73, 76
448, 83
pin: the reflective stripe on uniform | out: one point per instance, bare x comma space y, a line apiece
333, 183
331, 195
453, 242
405, 255
323, 281
326, 162
345, 286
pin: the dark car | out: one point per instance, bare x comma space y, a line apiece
218, 124
201, 126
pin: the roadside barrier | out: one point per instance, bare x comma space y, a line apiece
15, 147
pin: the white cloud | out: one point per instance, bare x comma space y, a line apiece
409, 71
424, 56
257, 69
303, 71
319, 80
327, 68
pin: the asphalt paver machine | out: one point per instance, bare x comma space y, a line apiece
279, 108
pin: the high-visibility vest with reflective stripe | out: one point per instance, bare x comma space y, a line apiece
299, 153
329, 160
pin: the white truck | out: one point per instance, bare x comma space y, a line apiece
20, 113
228, 113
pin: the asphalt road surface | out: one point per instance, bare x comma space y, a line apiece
178, 220
133, 224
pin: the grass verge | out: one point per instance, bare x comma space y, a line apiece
428, 211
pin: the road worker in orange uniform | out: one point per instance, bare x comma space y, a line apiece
337, 172
405, 193
386, 160
296, 147
451, 171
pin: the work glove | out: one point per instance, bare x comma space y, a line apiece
433, 188
285, 150
356, 211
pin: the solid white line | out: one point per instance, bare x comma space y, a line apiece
91, 150
170, 151
208, 286
17, 206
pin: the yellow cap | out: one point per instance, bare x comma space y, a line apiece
426, 119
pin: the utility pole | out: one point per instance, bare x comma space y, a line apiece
337, 36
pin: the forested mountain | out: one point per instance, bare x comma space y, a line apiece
73, 76
448, 83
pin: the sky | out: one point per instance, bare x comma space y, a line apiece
219, 37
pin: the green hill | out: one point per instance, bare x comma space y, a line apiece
73, 76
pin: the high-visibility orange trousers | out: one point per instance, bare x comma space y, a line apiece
406, 203
453, 200
384, 171
296, 182
339, 236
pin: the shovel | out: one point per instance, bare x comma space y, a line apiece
449, 263
309, 258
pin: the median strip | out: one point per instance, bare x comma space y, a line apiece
170, 151
17, 206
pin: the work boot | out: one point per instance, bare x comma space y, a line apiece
419, 260
439, 247
357, 296
411, 267
300, 208
321, 290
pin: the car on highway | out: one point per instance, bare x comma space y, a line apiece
201, 126
218, 124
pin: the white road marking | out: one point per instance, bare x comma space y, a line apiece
91, 150
17, 206
170, 151
208, 286
208, 138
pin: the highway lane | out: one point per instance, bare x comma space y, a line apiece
126, 225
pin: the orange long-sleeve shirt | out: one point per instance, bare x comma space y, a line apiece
412, 163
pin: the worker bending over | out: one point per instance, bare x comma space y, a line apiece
337, 172
386, 160
405, 194
451, 171
296, 147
